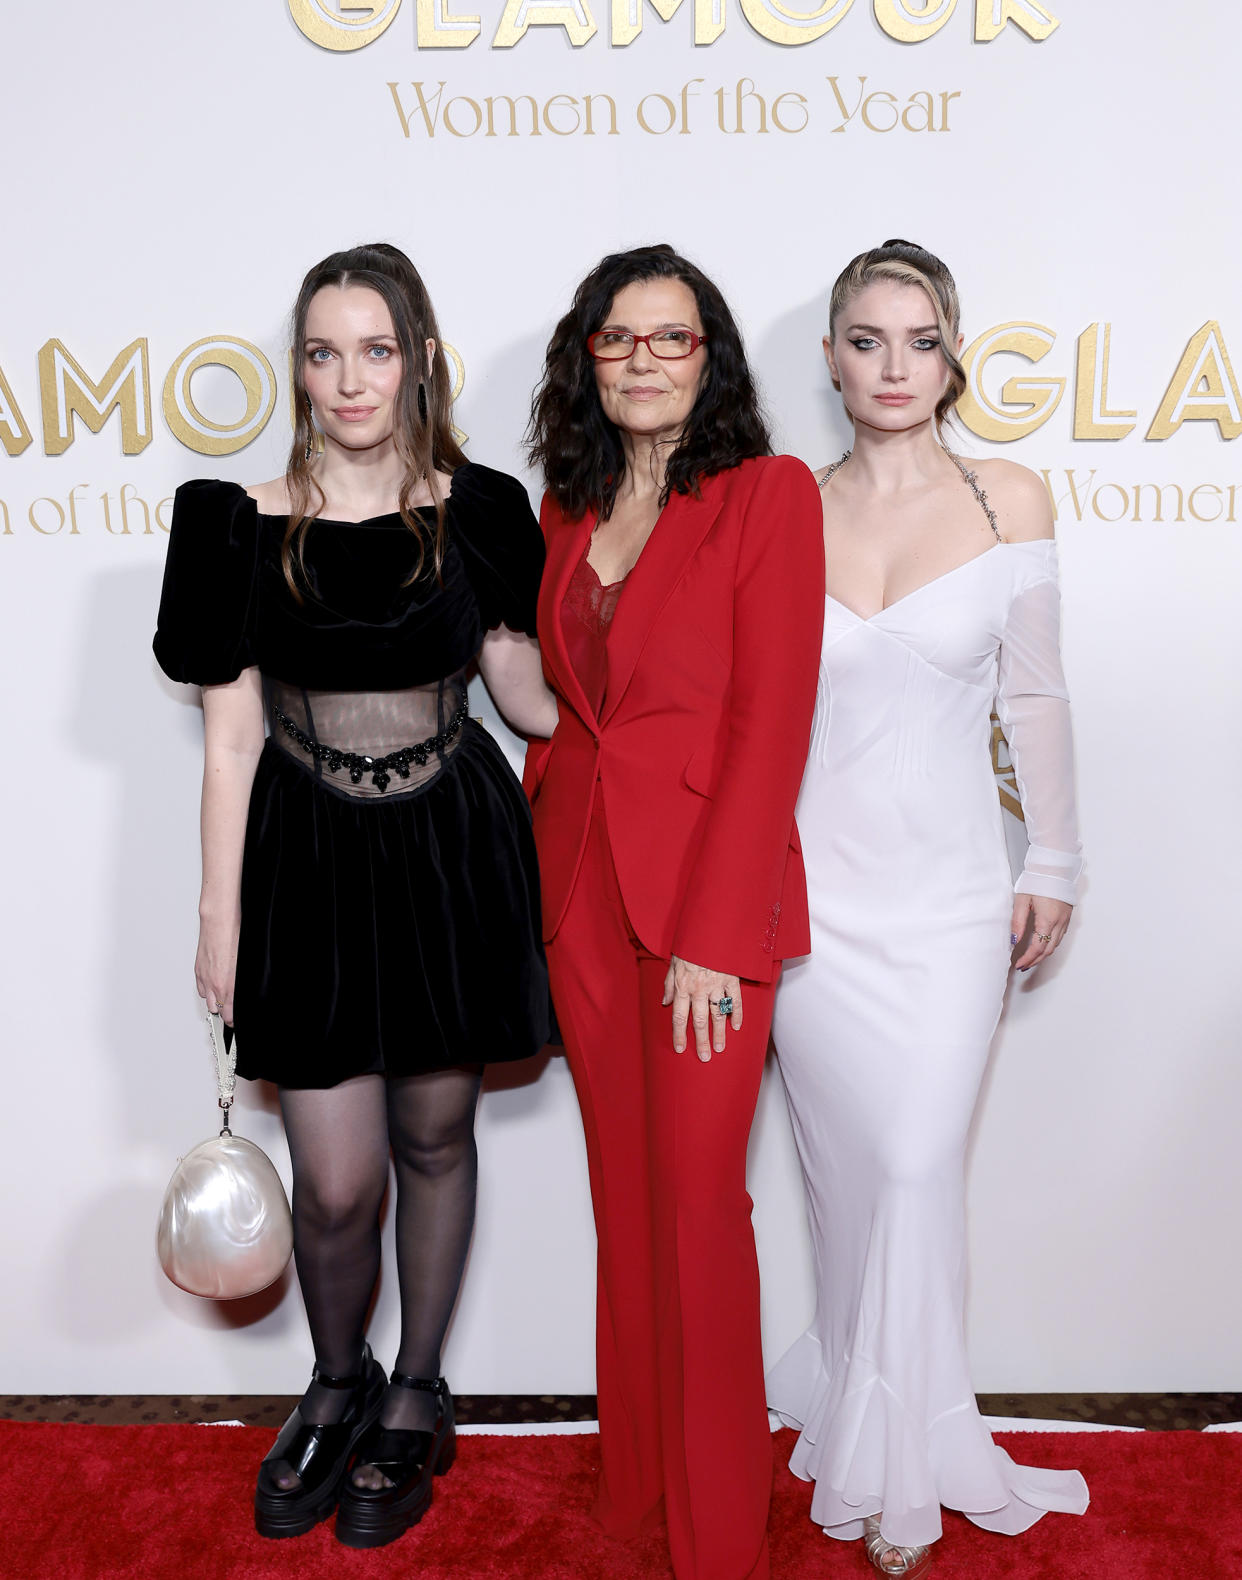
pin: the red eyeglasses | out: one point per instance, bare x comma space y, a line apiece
618, 345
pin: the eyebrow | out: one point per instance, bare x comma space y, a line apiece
918, 329
367, 340
678, 324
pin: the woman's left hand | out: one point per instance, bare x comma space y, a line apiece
695, 994
1046, 921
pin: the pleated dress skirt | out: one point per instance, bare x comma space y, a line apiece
390, 935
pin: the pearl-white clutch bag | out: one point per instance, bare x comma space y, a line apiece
225, 1228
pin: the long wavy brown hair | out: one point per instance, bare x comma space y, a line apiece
423, 421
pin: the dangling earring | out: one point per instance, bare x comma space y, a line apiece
422, 402
313, 436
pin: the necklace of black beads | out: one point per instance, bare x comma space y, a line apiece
333, 759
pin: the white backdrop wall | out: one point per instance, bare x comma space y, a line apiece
181, 167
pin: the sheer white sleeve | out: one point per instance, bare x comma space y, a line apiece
1032, 705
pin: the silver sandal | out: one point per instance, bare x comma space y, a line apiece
890, 1559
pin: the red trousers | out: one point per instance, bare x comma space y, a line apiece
683, 1423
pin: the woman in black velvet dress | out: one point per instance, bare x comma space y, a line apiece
369, 910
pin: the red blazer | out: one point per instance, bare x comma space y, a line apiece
713, 658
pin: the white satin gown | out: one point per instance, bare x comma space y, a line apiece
883, 1031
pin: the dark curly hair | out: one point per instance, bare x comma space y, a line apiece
576, 446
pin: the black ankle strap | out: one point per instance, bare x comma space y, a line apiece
327, 1380
425, 1384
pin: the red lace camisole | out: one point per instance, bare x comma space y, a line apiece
586, 616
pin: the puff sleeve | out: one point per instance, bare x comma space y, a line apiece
1033, 707
500, 544
205, 630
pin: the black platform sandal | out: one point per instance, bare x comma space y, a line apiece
410, 1459
319, 1455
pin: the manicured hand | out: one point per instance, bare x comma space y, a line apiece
1038, 927
695, 994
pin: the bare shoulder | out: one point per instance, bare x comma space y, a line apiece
272, 498
1019, 498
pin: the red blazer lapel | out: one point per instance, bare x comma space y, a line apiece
683, 524
566, 543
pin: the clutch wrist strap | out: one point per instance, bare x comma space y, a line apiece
225, 1062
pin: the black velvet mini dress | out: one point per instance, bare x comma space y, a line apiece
389, 894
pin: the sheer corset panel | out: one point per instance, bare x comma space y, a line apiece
368, 743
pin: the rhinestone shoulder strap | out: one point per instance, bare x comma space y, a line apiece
835, 468
972, 482
970, 478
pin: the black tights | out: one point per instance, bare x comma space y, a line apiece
339, 1141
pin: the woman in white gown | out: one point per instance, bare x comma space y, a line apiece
942, 603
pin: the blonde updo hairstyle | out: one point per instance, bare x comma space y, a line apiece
906, 263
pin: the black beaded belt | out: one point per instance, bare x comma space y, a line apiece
378, 767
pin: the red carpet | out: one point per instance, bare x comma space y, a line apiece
173, 1503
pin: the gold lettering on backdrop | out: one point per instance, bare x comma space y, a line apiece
744, 90
1092, 417
667, 107
119, 526
1159, 493
920, 104
782, 23
1078, 501
745, 95
886, 101
991, 16
800, 109
627, 18
1002, 767
342, 25
78, 488
519, 15
492, 102
47, 531
66, 392
588, 100
1083, 499
451, 119
200, 432
911, 21
347, 24
919, 114
1025, 404
14, 434
559, 102
436, 29
1204, 488
1203, 389
561, 113
423, 107
118, 512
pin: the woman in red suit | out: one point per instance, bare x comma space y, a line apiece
679, 618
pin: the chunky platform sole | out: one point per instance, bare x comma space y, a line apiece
367, 1522
278, 1522
278, 1517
